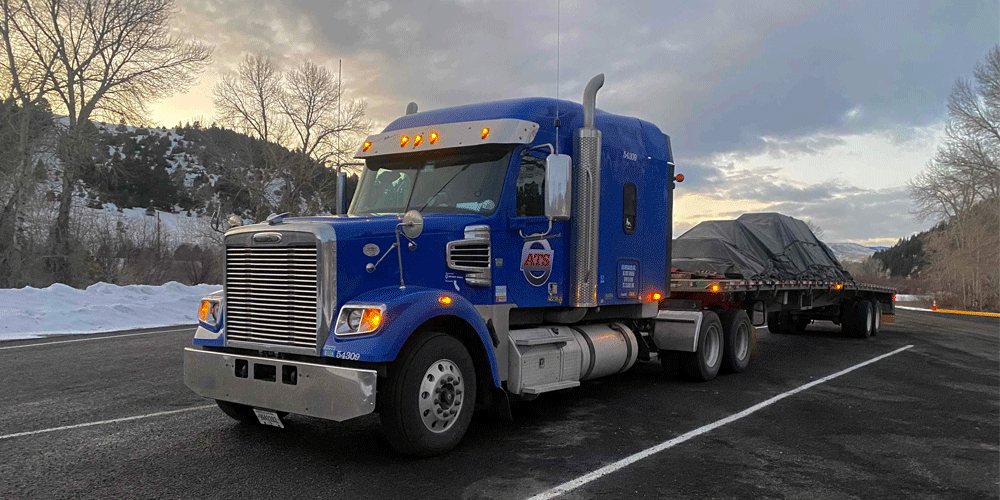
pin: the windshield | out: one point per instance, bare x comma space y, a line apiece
454, 181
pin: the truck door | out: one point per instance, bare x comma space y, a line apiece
536, 276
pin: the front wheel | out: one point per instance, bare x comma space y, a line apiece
430, 396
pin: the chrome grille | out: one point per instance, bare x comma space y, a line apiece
271, 295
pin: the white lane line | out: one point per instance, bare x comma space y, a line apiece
102, 422
625, 462
172, 330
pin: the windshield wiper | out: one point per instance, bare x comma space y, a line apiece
442, 187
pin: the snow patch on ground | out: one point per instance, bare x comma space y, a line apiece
27, 313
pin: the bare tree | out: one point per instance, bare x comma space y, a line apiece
249, 101
302, 111
95, 59
961, 186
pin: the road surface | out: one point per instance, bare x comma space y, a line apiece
108, 416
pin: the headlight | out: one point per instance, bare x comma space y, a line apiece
208, 313
359, 319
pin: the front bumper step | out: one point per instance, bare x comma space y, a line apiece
323, 391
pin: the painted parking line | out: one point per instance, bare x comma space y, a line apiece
102, 422
648, 452
183, 328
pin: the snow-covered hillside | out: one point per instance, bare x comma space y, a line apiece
852, 252
59, 309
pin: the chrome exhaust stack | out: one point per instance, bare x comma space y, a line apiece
587, 203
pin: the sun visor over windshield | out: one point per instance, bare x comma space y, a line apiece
449, 135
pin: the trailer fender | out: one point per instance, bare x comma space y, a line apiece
405, 311
677, 330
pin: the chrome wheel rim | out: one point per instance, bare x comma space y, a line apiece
742, 341
442, 391
712, 349
877, 318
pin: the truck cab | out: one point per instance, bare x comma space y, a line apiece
477, 262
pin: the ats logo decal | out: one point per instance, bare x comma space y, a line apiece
536, 261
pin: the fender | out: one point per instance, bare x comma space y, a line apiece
406, 310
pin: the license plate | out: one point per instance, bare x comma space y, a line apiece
268, 418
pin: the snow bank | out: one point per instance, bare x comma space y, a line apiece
59, 309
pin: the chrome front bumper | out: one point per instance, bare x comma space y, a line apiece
330, 392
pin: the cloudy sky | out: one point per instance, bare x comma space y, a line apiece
819, 110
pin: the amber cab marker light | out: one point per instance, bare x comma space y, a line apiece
486, 132
371, 319
206, 306
403, 141
434, 137
679, 178
444, 300
366, 146
417, 139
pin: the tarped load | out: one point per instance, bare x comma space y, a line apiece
766, 246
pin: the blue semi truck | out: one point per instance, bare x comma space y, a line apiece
478, 263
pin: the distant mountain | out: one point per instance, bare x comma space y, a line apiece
852, 252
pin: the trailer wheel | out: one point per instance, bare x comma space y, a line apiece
738, 338
703, 364
241, 412
860, 325
786, 324
801, 324
430, 396
876, 317
772, 322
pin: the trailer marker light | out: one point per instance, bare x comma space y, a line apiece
715, 287
417, 139
486, 132
366, 146
434, 137
403, 141
444, 300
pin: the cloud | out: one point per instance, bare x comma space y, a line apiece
794, 101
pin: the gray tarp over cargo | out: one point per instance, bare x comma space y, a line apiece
766, 246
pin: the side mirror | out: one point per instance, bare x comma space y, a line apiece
558, 186
413, 224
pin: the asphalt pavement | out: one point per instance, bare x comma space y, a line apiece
108, 416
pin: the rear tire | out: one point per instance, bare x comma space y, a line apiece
861, 319
772, 322
430, 396
739, 340
703, 364
876, 317
785, 323
801, 324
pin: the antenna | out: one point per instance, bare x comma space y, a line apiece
558, 37
340, 96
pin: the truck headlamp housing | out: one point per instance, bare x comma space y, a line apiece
358, 319
208, 313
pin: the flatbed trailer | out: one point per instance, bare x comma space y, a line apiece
787, 306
